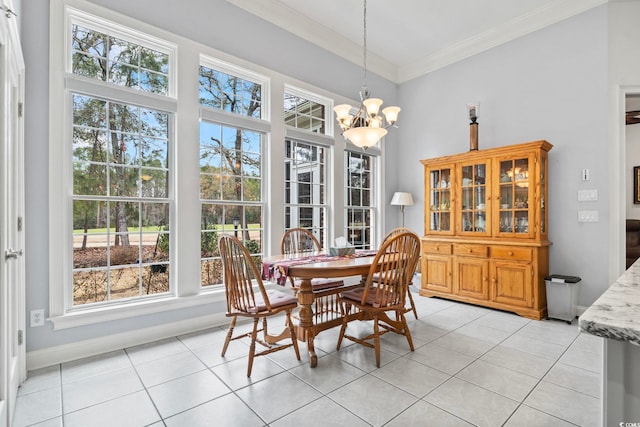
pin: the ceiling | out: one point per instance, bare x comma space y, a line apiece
408, 38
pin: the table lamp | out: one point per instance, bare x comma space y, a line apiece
402, 199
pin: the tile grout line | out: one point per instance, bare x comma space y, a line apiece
520, 404
395, 356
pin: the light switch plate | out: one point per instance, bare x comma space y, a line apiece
587, 216
587, 195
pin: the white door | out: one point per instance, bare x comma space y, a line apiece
12, 272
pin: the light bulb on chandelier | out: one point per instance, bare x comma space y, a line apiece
365, 128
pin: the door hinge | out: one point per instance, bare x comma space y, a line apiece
20, 337
20, 108
19, 223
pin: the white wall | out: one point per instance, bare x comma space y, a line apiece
551, 84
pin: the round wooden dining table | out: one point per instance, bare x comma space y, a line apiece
331, 268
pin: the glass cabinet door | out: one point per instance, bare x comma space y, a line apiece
473, 198
440, 200
514, 197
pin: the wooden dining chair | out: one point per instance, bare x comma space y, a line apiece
240, 276
325, 290
412, 304
301, 240
395, 261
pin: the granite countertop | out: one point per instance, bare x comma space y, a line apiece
616, 314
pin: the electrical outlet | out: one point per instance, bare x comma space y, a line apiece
37, 318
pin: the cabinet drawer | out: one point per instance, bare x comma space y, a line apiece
436, 248
471, 250
523, 254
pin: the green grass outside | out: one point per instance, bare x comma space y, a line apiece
154, 229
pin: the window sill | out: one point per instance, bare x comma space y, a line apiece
92, 316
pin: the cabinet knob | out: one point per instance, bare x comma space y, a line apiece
510, 253
469, 250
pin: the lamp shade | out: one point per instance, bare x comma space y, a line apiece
402, 199
364, 136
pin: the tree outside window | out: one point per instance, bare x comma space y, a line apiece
120, 173
230, 170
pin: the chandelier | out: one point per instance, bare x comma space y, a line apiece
367, 126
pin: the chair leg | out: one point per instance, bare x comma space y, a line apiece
413, 305
407, 332
376, 339
294, 338
252, 347
229, 335
343, 328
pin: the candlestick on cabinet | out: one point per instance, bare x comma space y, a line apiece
472, 109
473, 136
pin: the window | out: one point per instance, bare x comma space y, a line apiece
118, 61
301, 112
123, 223
230, 93
230, 168
305, 187
120, 201
359, 201
305, 164
111, 166
304, 114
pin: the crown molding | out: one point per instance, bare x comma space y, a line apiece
282, 16
510, 30
289, 20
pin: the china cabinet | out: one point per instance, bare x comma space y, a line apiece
486, 232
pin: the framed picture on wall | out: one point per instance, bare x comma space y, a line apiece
636, 185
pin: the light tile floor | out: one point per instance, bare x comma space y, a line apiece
471, 366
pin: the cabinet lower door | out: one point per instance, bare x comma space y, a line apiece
471, 277
438, 273
512, 283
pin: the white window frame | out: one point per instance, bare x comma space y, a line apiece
184, 210
252, 124
61, 312
241, 203
222, 117
325, 140
376, 191
327, 192
310, 96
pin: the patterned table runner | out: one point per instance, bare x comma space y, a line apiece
277, 271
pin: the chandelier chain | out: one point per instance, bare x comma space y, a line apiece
365, 127
364, 86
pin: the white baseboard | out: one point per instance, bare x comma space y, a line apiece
77, 350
